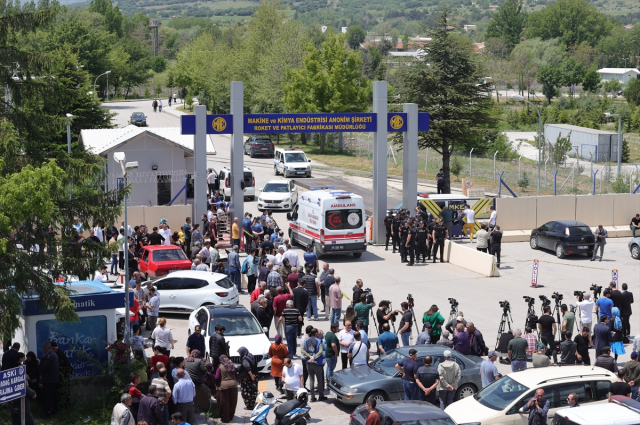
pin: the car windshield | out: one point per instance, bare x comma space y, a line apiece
501, 393
169, 255
579, 231
295, 157
236, 325
387, 364
137, 115
276, 187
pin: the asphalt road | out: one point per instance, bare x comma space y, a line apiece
430, 283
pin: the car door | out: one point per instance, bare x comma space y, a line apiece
556, 232
143, 262
202, 319
294, 192
169, 289
191, 295
543, 235
280, 162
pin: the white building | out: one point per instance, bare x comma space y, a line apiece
165, 158
621, 74
344, 30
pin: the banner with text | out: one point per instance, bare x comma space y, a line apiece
309, 123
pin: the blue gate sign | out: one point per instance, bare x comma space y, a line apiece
13, 383
309, 123
216, 124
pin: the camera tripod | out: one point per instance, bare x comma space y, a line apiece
531, 311
556, 313
453, 313
415, 322
505, 323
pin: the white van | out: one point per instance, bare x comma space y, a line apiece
291, 162
223, 184
622, 411
332, 221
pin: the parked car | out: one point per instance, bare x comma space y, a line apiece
159, 260
565, 237
188, 290
381, 380
502, 401
634, 248
622, 411
278, 195
256, 145
241, 330
410, 412
223, 183
139, 119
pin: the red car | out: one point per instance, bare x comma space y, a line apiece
159, 260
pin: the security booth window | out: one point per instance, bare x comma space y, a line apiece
343, 219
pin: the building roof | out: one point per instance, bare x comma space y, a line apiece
580, 129
104, 140
617, 70
416, 54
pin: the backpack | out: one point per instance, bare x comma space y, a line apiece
245, 266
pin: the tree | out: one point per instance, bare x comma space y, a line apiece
508, 23
330, 81
560, 149
572, 21
632, 92
355, 35
158, 64
591, 81
456, 167
612, 86
551, 79
572, 73
444, 82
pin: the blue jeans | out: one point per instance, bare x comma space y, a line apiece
404, 336
313, 306
335, 315
292, 344
331, 366
634, 392
518, 365
446, 398
114, 263
234, 275
410, 390
165, 413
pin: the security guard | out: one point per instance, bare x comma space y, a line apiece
395, 230
411, 243
404, 233
422, 234
421, 213
440, 232
388, 221
430, 226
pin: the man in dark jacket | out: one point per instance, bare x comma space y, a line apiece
602, 335
625, 310
300, 303
49, 377
66, 370
150, 410
10, 358
605, 361
568, 349
218, 345
478, 347
262, 315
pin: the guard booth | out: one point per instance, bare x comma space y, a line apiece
99, 308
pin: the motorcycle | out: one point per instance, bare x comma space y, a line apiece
291, 412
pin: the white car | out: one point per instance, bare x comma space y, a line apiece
278, 195
291, 162
241, 330
502, 401
186, 290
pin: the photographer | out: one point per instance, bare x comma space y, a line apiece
357, 291
384, 317
405, 324
362, 310
586, 311
548, 328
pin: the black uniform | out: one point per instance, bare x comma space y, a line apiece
388, 221
440, 235
421, 243
395, 224
430, 243
411, 245
404, 232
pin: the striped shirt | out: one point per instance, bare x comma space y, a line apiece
290, 315
274, 280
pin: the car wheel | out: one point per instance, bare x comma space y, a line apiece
533, 242
357, 254
227, 198
590, 254
251, 154
466, 390
378, 396
317, 250
560, 251
635, 252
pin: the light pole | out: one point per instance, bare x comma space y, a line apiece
69, 117
625, 64
522, 99
129, 166
619, 138
107, 74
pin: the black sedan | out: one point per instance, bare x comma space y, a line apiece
139, 119
406, 412
565, 237
256, 145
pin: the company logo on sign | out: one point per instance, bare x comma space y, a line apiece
342, 205
335, 220
396, 122
219, 124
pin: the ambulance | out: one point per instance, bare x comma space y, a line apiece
332, 221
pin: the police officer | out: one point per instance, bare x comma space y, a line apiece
411, 243
440, 233
430, 226
404, 233
388, 221
422, 234
421, 213
395, 230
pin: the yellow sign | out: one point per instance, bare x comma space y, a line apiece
480, 205
219, 124
396, 122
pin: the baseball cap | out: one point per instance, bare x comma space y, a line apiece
447, 353
459, 318
493, 353
634, 355
541, 345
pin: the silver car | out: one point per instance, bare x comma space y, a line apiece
634, 248
381, 380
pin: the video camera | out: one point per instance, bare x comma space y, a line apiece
453, 302
545, 301
505, 305
557, 296
579, 294
596, 290
410, 301
389, 309
369, 300
529, 300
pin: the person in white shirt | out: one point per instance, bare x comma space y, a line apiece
471, 222
160, 105
345, 339
293, 377
129, 229
492, 217
291, 255
586, 312
358, 351
279, 256
211, 181
97, 231
101, 274
166, 233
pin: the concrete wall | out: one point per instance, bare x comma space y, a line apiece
625, 207
595, 210
555, 208
470, 259
151, 216
516, 213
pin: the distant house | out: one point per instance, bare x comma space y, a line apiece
469, 27
621, 74
478, 47
628, 27
493, 7
344, 30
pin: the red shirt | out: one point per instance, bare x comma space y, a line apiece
293, 280
255, 294
280, 303
160, 358
373, 418
134, 310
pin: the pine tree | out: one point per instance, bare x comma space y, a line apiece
508, 22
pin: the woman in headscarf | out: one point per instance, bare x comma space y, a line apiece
226, 380
248, 377
284, 270
617, 346
278, 352
195, 367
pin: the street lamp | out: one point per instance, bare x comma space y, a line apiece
522, 99
107, 74
129, 166
69, 118
619, 138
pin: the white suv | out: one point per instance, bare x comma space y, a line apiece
502, 401
291, 162
223, 183
278, 195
